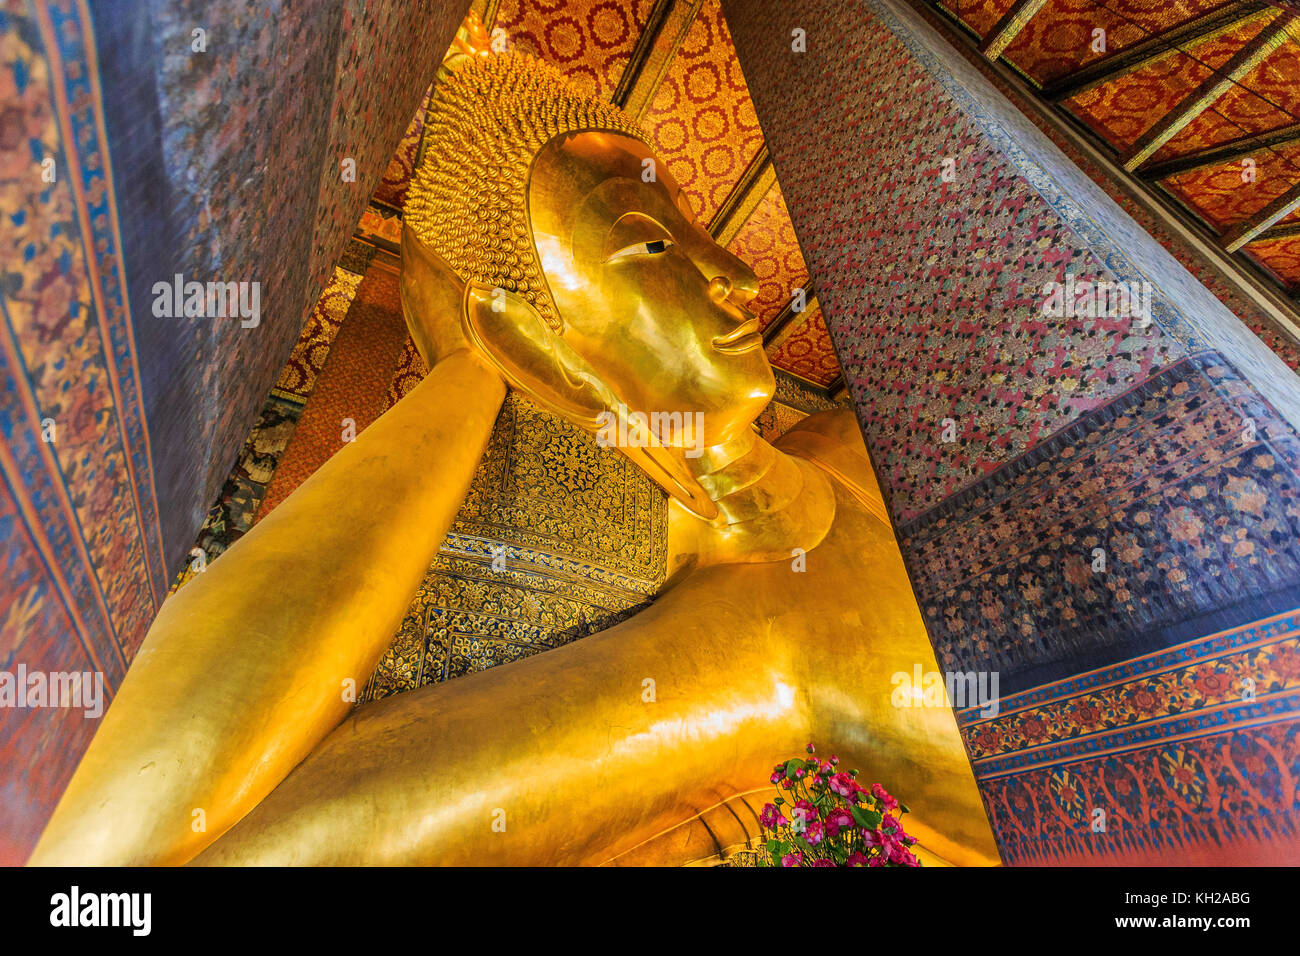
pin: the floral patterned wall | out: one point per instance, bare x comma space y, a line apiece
224, 142
1103, 511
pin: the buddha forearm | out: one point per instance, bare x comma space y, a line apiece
566, 757
198, 733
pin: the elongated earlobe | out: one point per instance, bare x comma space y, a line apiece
431, 300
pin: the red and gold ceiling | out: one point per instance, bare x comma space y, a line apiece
1199, 99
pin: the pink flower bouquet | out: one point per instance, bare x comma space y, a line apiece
827, 818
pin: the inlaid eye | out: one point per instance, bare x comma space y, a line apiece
636, 234
653, 247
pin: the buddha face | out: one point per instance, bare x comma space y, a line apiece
652, 303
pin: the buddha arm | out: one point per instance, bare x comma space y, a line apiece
245, 668
569, 753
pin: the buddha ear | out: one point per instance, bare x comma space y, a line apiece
532, 356
535, 359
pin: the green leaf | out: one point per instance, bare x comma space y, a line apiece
866, 818
792, 768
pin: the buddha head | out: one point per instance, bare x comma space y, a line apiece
580, 269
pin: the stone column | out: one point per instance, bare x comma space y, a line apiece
1098, 497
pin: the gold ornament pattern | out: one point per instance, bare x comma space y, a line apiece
558, 538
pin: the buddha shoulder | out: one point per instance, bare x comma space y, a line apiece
832, 441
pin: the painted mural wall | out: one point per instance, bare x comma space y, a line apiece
1103, 509
140, 141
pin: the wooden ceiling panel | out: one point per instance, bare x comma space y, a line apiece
1279, 256
590, 41
808, 353
1060, 39
1128, 106
702, 122
981, 15
1223, 197
1268, 98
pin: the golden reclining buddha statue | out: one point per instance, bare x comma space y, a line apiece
544, 250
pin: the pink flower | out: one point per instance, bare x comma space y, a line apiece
899, 855
777, 775
857, 859
771, 817
821, 862
879, 793
814, 832
876, 861
842, 784
792, 859
811, 748
837, 820
894, 831
827, 768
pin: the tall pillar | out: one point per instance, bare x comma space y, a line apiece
225, 141
1103, 510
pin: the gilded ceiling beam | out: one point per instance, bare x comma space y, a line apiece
1150, 50
780, 328
1265, 219
1265, 43
1009, 27
1227, 152
1289, 230
745, 195
652, 57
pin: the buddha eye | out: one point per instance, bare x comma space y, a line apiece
653, 247
637, 234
